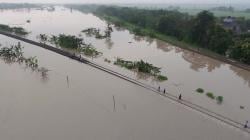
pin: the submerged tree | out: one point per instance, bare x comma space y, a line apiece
141, 66
97, 32
15, 30
15, 54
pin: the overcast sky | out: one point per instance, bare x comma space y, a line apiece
131, 1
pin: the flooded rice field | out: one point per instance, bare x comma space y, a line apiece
88, 88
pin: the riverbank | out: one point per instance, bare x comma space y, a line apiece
174, 41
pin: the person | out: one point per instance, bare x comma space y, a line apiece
68, 80
159, 88
180, 97
164, 91
245, 126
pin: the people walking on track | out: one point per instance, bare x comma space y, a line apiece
180, 97
246, 125
159, 88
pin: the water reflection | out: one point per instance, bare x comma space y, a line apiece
109, 43
245, 75
138, 38
198, 61
44, 74
149, 40
119, 28
164, 46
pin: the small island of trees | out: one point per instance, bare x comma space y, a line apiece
97, 33
141, 66
70, 42
15, 30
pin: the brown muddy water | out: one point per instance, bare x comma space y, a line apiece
35, 107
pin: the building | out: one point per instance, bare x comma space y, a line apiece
231, 24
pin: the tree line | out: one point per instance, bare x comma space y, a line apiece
203, 30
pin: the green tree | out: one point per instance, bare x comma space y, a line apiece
241, 50
220, 40
202, 26
169, 26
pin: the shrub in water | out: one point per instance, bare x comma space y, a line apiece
200, 90
210, 95
162, 78
219, 99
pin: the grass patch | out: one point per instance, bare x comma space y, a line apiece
200, 90
210, 95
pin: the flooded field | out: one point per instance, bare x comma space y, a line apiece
185, 70
82, 107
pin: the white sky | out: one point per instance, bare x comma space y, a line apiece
132, 1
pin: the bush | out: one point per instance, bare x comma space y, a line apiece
219, 99
162, 78
200, 90
210, 95
141, 66
15, 30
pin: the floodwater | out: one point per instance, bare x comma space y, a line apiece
186, 71
52, 108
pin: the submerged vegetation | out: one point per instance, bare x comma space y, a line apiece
70, 42
200, 90
141, 66
15, 54
97, 33
162, 78
210, 95
43, 38
15, 30
219, 99
89, 51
